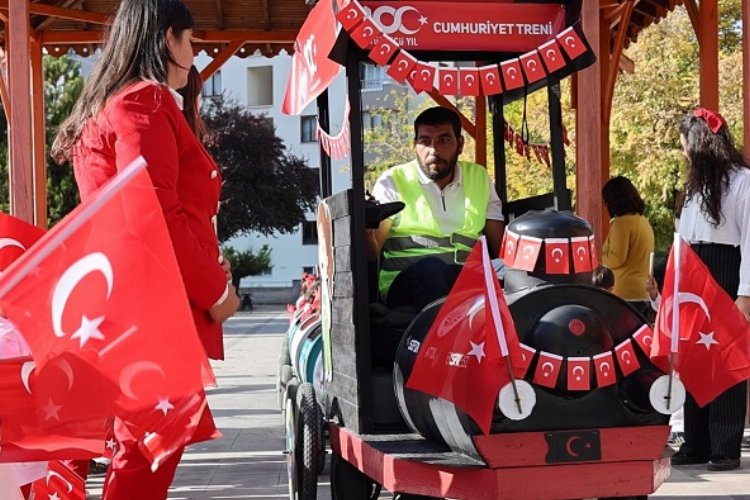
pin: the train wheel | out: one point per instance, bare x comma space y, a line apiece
290, 424
348, 483
310, 443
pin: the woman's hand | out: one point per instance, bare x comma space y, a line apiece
743, 304
226, 308
652, 288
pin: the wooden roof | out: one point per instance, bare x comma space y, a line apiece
265, 25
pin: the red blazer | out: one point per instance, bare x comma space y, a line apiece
143, 119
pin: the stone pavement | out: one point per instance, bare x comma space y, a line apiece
248, 462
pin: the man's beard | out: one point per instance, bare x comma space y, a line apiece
438, 175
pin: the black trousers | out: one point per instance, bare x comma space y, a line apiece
423, 282
715, 430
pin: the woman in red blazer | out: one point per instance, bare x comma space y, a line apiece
129, 107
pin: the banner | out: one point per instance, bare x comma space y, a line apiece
503, 27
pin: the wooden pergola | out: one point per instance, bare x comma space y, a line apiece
240, 27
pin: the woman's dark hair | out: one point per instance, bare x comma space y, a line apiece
136, 49
710, 159
438, 115
603, 277
190, 94
622, 198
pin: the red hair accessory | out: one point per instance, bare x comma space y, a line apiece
714, 120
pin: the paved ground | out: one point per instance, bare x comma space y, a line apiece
248, 462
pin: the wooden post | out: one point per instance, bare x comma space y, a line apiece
21, 179
746, 78
589, 144
708, 38
40, 136
480, 134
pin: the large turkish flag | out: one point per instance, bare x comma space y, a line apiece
16, 236
713, 351
101, 303
461, 357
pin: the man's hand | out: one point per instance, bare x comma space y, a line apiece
226, 266
743, 304
225, 309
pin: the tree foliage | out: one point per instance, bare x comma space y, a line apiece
247, 263
266, 189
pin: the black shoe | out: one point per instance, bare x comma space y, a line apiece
682, 458
723, 463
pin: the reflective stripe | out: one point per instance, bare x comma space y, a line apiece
401, 263
408, 242
463, 240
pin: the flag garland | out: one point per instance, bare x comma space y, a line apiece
492, 79
523, 251
338, 146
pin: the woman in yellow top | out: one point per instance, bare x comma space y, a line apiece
629, 242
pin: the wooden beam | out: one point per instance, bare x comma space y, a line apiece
466, 124
219, 14
693, 14
480, 128
614, 65
708, 37
46, 23
589, 133
21, 168
71, 37
39, 134
254, 36
746, 78
63, 13
266, 15
220, 58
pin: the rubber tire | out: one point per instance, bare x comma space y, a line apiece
309, 443
290, 426
284, 354
285, 375
290, 392
347, 482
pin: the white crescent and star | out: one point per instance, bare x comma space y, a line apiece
570, 41
604, 367
477, 350
477, 306
469, 80
89, 329
551, 368
51, 410
26, 370
551, 54
52, 473
10, 242
554, 253
625, 357
707, 340
531, 64
578, 372
129, 373
490, 78
448, 79
511, 72
164, 405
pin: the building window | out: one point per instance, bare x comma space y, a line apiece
372, 76
308, 270
212, 87
310, 232
267, 272
309, 125
260, 86
317, 175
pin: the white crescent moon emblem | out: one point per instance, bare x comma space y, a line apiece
26, 370
10, 242
67, 370
511, 72
425, 74
399, 20
368, 31
531, 64
511, 246
691, 298
477, 306
604, 367
576, 370
569, 446
96, 261
551, 54
469, 79
448, 79
527, 252
129, 373
570, 41
551, 368
625, 356
352, 14
402, 65
647, 340
385, 49
52, 473
555, 252
490, 78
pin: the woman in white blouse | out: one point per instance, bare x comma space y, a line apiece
716, 222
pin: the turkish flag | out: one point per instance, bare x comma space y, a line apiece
532, 66
571, 43
557, 255
579, 374
528, 253
626, 357
72, 296
644, 338
401, 66
383, 50
713, 352
547, 369
61, 483
512, 78
424, 78
552, 56
581, 254
593, 252
490, 76
365, 34
349, 16
527, 356
311, 71
510, 247
461, 358
604, 364
470, 84
16, 236
448, 81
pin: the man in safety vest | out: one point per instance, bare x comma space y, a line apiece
449, 204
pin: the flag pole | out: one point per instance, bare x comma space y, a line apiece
490, 279
676, 255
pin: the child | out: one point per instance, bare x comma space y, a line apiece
603, 277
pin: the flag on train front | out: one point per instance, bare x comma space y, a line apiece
460, 358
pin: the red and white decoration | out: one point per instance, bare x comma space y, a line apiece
336, 146
522, 252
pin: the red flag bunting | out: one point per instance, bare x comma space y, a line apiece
532, 66
448, 81
571, 43
579, 374
490, 76
581, 254
528, 253
512, 78
510, 248
61, 483
604, 364
383, 50
593, 252
526, 357
350, 16
401, 66
644, 338
557, 255
470, 84
547, 369
425, 77
365, 34
626, 357
552, 56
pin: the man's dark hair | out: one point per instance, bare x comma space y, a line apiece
603, 277
622, 198
438, 116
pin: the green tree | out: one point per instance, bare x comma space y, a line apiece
266, 189
247, 263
